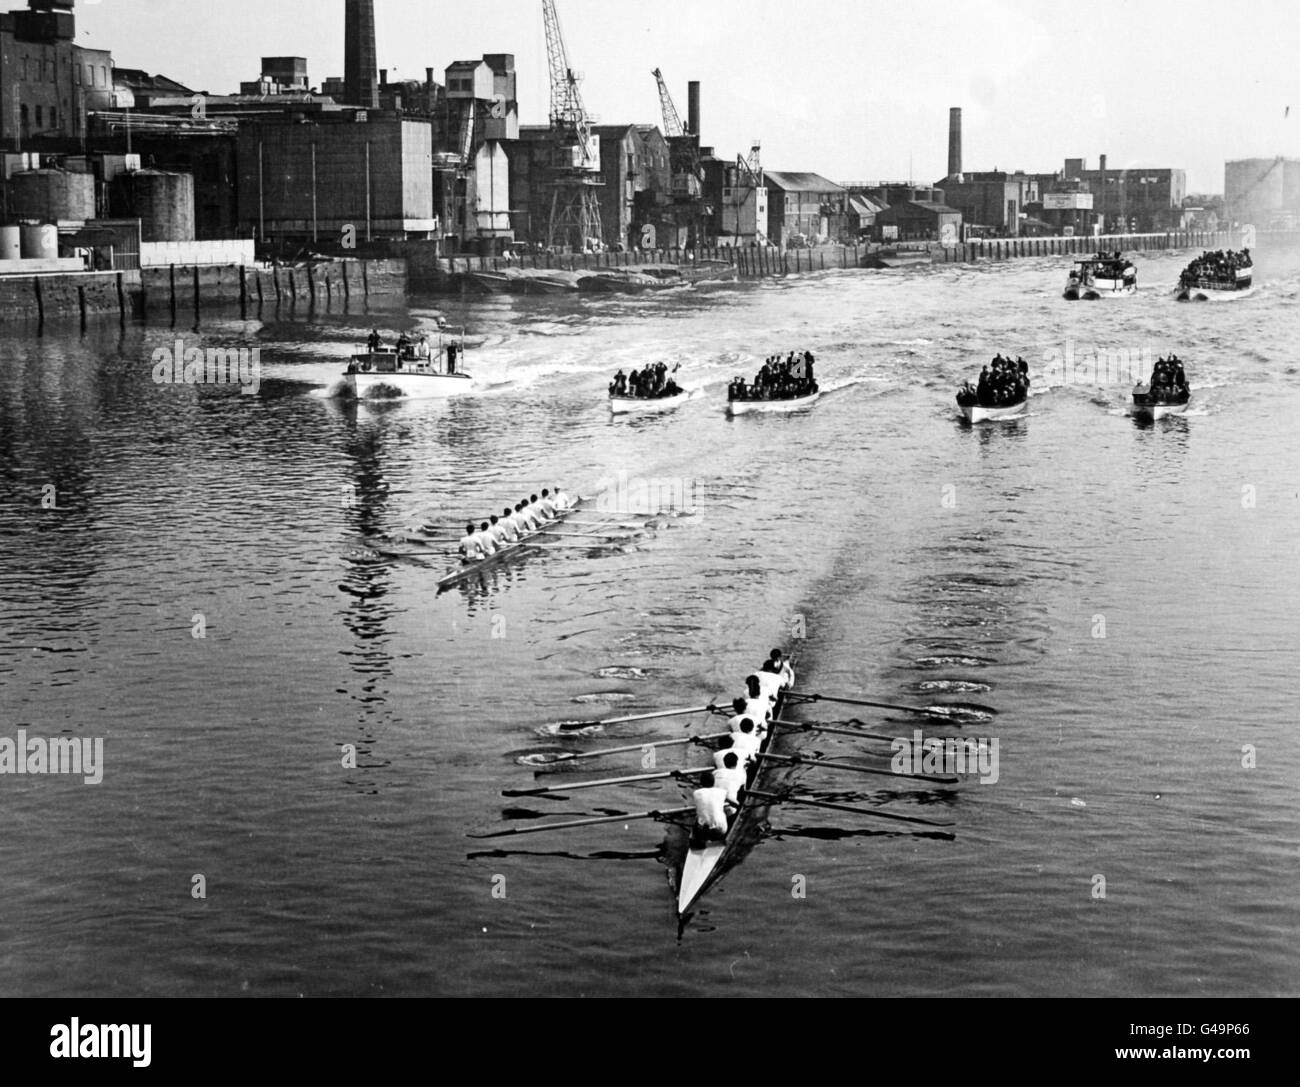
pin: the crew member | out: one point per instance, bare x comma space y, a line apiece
731, 777
469, 545
710, 810
375, 342
510, 530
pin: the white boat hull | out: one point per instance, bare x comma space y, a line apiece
1158, 411
629, 405
748, 407
1101, 288
1212, 294
978, 413
406, 384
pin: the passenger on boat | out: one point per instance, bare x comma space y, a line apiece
618, 387
375, 342
453, 352
710, 812
731, 777
403, 345
422, 350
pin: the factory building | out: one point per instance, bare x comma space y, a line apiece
1136, 200
334, 179
804, 208
1263, 192
48, 83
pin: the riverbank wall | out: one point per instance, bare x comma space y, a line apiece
166, 291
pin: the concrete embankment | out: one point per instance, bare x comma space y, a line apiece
163, 292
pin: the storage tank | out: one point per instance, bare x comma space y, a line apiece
10, 243
162, 201
51, 195
39, 241
1291, 186
1252, 188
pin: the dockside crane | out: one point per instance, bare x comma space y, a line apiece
685, 166
574, 171
672, 121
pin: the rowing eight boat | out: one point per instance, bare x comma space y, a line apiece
705, 865
471, 569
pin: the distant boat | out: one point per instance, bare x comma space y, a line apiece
990, 413
1101, 277
1216, 278
1162, 403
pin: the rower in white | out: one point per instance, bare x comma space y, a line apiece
496, 534
746, 738
509, 530
546, 505
562, 500
731, 777
469, 545
485, 545
710, 810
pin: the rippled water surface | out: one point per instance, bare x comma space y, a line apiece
1121, 597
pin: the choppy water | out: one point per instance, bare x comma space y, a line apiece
929, 563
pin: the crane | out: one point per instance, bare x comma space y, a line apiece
672, 122
575, 210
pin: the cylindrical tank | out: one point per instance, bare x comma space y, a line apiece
10, 243
162, 201
1253, 188
51, 195
39, 241
1291, 186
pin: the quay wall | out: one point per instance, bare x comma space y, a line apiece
752, 262
163, 291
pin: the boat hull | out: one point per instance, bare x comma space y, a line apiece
406, 384
749, 407
630, 405
1213, 294
1144, 407
1093, 292
703, 866
978, 413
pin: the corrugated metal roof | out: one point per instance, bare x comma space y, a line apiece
801, 182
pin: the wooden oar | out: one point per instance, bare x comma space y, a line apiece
878, 705
809, 802
574, 725
569, 756
586, 822
612, 535
798, 760
801, 726
628, 780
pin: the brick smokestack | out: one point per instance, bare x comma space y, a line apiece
693, 107
954, 141
360, 60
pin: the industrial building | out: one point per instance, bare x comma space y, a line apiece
803, 208
307, 181
1263, 192
48, 83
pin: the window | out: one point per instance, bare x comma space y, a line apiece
40, 116
54, 117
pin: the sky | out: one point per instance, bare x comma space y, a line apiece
851, 89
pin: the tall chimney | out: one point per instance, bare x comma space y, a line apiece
693, 107
428, 77
360, 59
1099, 204
954, 141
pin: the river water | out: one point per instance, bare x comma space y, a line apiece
1117, 600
